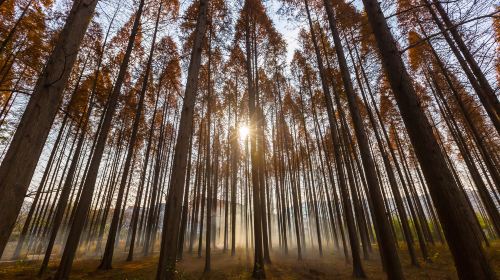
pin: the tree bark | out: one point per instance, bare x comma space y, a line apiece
171, 222
20, 161
486, 93
89, 185
110, 244
470, 260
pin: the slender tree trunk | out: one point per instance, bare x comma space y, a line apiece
197, 184
386, 242
202, 207
171, 222
155, 192
135, 214
88, 187
258, 269
208, 161
262, 183
110, 244
486, 93
20, 161
357, 266
12, 31
478, 138
476, 176
68, 183
470, 260
185, 204
35, 205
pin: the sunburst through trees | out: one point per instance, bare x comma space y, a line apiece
282, 139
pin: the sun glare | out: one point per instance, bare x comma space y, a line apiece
243, 132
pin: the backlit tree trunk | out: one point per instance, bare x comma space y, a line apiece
171, 222
470, 260
22, 156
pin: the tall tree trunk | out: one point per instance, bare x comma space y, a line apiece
155, 187
392, 182
197, 186
258, 269
171, 222
260, 134
476, 176
89, 185
20, 161
357, 266
35, 204
185, 204
135, 214
68, 183
235, 154
486, 93
470, 260
208, 161
386, 242
110, 243
477, 137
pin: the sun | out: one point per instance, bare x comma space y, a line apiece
243, 132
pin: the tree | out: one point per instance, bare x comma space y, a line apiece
468, 254
88, 187
20, 161
387, 242
171, 221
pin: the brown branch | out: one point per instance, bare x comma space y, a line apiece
26, 92
492, 15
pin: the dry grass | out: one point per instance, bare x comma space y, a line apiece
330, 266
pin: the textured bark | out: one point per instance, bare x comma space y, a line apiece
110, 243
258, 269
20, 161
470, 260
386, 242
89, 185
470, 66
185, 203
171, 222
135, 214
337, 141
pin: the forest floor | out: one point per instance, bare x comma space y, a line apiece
330, 266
